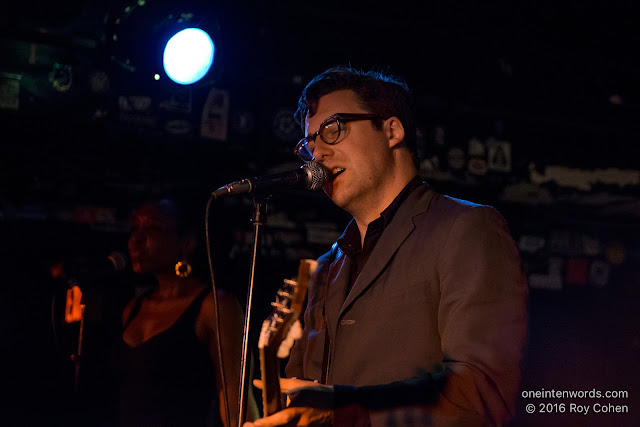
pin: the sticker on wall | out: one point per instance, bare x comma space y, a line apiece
599, 273
615, 253
552, 280
215, 115
179, 101
134, 104
242, 122
577, 271
284, 125
429, 164
591, 246
421, 142
545, 281
10, 91
456, 158
178, 127
565, 242
477, 157
477, 166
98, 81
499, 155
531, 244
137, 110
476, 148
61, 77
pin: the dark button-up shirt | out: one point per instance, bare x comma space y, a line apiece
349, 242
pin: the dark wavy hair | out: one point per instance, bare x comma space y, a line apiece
378, 93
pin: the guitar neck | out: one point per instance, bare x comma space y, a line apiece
281, 327
270, 375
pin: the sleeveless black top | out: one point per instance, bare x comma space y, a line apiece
168, 380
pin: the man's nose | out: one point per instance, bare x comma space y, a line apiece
322, 150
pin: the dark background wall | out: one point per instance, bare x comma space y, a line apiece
555, 83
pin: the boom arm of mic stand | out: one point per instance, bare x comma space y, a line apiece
258, 220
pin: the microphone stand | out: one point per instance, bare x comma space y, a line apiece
258, 220
78, 355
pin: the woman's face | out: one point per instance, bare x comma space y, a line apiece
155, 245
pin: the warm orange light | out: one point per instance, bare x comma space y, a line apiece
73, 309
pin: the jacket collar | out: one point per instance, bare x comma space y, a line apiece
396, 232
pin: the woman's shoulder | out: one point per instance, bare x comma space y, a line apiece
227, 303
221, 295
230, 316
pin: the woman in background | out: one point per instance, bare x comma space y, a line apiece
167, 358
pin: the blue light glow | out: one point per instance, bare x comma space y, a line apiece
188, 56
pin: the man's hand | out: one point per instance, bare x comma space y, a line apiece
311, 405
296, 416
289, 384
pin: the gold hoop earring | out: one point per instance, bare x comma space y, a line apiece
183, 269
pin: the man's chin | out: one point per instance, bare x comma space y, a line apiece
337, 197
328, 189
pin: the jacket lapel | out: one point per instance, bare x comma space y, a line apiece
338, 280
394, 234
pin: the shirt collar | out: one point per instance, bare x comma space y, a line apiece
391, 210
349, 241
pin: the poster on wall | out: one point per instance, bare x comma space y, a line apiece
499, 155
215, 115
9, 91
284, 125
137, 110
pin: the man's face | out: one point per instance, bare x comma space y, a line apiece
361, 158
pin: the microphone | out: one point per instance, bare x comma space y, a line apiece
117, 261
312, 176
91, 268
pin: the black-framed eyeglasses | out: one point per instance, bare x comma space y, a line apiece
330, 130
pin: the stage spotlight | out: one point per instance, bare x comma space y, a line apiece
188, 56
163, 43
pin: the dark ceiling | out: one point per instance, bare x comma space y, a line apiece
545, 53
564, 67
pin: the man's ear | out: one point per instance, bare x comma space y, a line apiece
394, 130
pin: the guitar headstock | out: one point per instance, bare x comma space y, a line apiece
287, 307
279, 331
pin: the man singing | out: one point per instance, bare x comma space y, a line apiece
417, 315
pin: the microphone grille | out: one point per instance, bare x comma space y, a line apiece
320, 175
119, 260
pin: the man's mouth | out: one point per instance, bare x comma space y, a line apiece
336, 171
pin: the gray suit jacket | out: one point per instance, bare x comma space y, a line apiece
442, 292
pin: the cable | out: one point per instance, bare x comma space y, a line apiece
217, 317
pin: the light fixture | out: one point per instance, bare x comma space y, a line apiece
188, 56
164, 41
